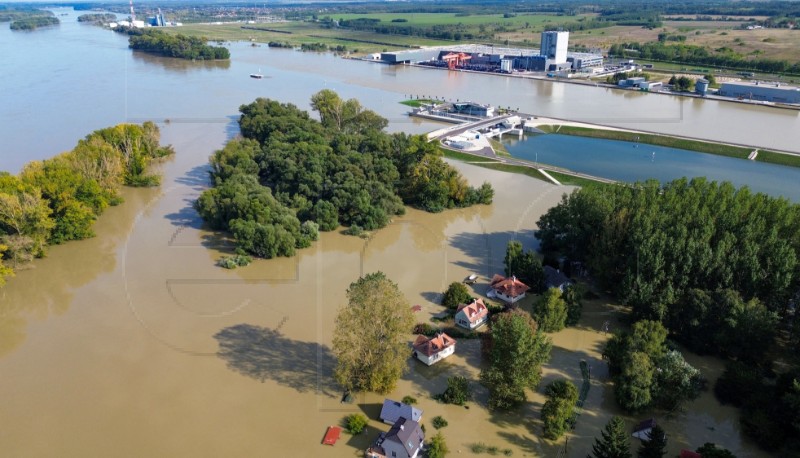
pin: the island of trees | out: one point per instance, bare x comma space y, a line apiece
290, 176
712, 267
58, 199
97, 18
168, 45
34, 21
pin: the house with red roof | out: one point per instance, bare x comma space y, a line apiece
431, 350
472, 315
509, 290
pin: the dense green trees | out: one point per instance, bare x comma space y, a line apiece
341, 171
33, 22
169, 45
98, 18
58, 199
652, 244
614, 441
718, 266
646, 373
701, 55
550, 311
525, 265
681, 83
518, 350
557, 410
369, 342
457, 293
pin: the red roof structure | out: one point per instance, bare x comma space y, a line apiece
430, 346
474, 311
690, 454
509, 287
332, 435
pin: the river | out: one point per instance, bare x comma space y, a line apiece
133, 343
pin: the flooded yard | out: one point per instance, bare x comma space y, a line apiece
134, 343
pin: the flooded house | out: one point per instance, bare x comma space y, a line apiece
554, 278
404, 440
472, 315
431, 350
509, 290
393, 411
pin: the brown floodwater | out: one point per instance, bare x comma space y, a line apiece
133, 343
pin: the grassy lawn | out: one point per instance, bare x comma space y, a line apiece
499, 148
298, 33
429, 19
416, 103
573, 180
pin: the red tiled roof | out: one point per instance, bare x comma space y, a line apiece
510, 287
430, 346
474, 310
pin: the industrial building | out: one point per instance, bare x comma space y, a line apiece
701, 86
766, 92
554, 46
498, 59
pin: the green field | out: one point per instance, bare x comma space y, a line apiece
429, 19
416, 103
298, 33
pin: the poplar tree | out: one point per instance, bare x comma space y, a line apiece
369, 341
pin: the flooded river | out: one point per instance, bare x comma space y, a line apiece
134, 344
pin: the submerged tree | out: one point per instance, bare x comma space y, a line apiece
550, 311
525, 265
614, 442
557, 410
518, 350
369, 340
656, 444
456, 294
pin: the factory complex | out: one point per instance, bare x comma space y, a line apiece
760, 91
552, 57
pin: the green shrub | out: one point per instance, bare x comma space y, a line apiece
232, 262
409, 400
355, 423
439, 422
457, 391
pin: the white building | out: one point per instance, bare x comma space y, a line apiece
554, 46
431, 350
472, 315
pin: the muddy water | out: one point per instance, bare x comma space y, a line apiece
134, 344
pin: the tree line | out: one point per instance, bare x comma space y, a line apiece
700, 55
57, 200
290, 175
97, 18
168, 45
34, 22
712, 267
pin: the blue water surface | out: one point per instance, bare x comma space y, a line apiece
630, 162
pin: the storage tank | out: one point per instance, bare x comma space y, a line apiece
701, 86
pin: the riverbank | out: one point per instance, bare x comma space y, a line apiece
598, 84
